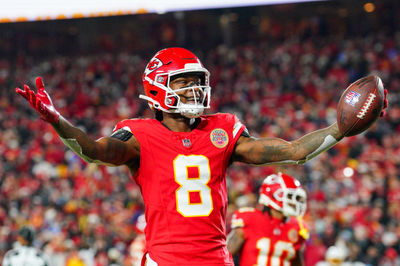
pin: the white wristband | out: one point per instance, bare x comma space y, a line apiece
328, 143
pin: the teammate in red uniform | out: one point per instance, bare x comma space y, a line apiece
179, 159
274, 236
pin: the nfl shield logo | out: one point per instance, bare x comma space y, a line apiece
352, 98
186, 143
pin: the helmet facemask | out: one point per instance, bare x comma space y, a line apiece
293, 201
283, 193
172, 100
199, 100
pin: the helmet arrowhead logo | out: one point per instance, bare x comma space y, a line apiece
153, 65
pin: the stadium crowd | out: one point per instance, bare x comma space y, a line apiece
285, 85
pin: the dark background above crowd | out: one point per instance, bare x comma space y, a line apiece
202, 30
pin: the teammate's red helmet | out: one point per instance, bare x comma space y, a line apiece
283, 193
164, 67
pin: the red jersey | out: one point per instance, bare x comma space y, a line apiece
268, 241
183, 184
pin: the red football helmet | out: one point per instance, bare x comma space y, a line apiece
283, 193
164, 67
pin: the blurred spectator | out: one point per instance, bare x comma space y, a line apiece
73, 257
391, 258
336, 256
115, 257
24, 253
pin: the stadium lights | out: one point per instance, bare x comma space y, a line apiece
369, 7
27, 10
348, 172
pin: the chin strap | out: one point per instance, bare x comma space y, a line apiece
186, 110
190, 111
155, 105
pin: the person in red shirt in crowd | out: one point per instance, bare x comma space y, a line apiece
274, 235
180, 158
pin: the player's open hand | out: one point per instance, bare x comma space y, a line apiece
40, 101
385, 105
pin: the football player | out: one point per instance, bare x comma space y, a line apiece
274, 235
180, 158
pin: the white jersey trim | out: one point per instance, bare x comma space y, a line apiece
149, 261
236, 128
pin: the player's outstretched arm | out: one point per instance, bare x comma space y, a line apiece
105, 150
278, 151
235, 241
371, 99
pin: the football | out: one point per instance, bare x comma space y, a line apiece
360, 105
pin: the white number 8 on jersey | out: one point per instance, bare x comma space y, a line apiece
196, 184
